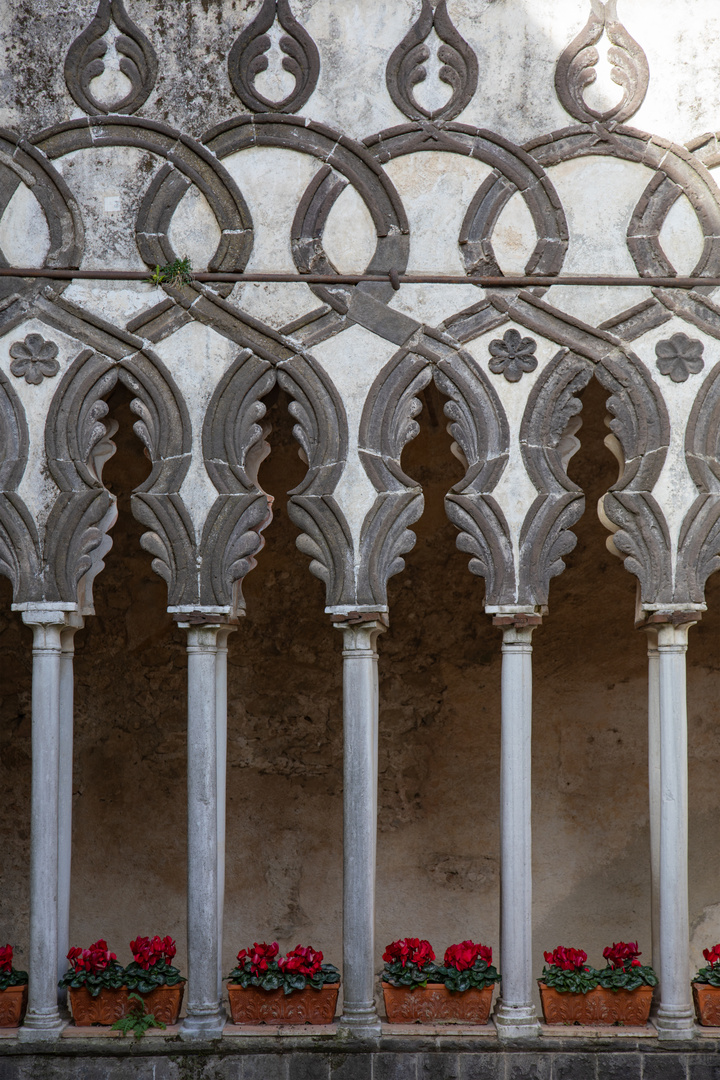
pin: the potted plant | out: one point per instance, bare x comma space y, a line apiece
13, 990
706, 989
573, 992
95, 983
98, 986
152, 976
298, 988
417, 990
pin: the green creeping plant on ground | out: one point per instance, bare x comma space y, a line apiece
175, 273
137, 1020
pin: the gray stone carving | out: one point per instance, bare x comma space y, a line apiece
512, 356
575, 69
247, 59
459, 65
34, 359
84, 61
234, 447
679, 356
388, 423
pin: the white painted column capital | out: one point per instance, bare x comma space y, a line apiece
515, 1016
675, 1017
49, 623
360, 769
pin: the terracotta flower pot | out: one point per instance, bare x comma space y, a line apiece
105, 1009
707, 1004
110, 1005
434, 1002
598, 1007
13, 1003
256, 1006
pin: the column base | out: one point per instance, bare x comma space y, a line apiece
203, 1027
676, 1024
516, 1021
41, 1028
360, 1024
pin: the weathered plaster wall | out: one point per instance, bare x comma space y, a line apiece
440, 661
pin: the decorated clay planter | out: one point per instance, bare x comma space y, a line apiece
598, 1007
110, 1005
13, 1003
256, 1006
707, 1004
434, 1003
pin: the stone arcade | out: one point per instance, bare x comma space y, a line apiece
276, 145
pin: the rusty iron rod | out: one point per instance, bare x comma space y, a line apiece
511, 282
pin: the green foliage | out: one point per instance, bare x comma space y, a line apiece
110, 978
159, 974
410, 975
619, 979
176, 273
275, 979
710, 975
480, 975
575, 981
137, 1020
12, 978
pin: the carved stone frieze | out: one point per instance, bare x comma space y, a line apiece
575, 69
84, 61
248, 59
459, 65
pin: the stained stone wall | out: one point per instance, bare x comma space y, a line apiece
511, 164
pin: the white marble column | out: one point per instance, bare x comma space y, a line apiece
515, 1013
65, 790
674, 1019
221, 750
205, 1015
654, 792
360, 766
43, 1020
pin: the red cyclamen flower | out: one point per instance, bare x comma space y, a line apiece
93, 960
409, 950
464, 955
303, 960
259, 956
6, 957
711, 955
620, 952
566, 959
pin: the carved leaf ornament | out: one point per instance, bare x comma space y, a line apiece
575, 69
406, 69
84, 62
247, 59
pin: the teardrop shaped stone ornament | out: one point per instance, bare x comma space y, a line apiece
84, 61
405, 68
247, 59
575, 69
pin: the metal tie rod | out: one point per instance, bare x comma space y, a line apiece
510, 282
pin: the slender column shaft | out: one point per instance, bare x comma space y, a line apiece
65, 778
675, 1014
205, 1016
515, 1015
43, 1019
360, 724
654, 791
221, 741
